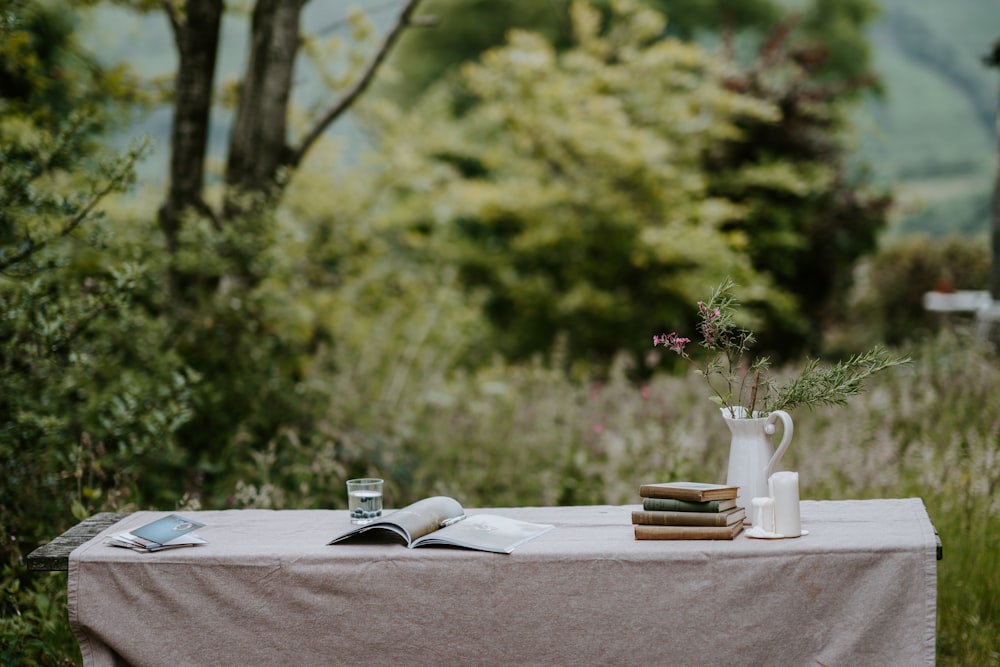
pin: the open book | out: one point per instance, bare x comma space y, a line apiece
441, 521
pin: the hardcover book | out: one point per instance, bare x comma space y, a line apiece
441, 521
644, 532
663, 518
697, 491
675, 505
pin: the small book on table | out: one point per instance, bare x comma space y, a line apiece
645, 532
668, 518
692, 491
169, 532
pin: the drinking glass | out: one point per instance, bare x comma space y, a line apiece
364, 499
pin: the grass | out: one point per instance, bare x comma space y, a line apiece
528, 435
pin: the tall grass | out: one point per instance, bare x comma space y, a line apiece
530, 435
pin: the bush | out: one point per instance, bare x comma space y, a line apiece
890, 294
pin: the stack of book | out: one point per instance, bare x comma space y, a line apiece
688, 511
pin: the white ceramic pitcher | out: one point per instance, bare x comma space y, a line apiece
752, 457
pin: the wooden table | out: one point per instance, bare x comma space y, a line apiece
54, 556
859, 589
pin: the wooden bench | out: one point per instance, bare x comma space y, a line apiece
54, 556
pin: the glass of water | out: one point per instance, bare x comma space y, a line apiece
364, 499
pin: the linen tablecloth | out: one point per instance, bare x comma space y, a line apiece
859, 589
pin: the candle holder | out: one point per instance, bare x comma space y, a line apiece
777, 516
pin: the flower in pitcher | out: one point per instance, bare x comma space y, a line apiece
738, 383
673, 342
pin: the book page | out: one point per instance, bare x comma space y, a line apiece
485, 532
413, 521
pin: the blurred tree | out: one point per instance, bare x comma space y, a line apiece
261, 154
897, 276
831, 41
229, 302
470, 28
832, 29
45, 71
992, 59
568, 186
810, 215
603, 188
804, 225
75, 422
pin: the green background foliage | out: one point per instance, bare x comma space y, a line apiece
467, 309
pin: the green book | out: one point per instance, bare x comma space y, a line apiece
675, 505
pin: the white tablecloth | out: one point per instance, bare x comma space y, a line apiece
859, 589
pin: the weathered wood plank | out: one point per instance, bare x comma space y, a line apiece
54, 556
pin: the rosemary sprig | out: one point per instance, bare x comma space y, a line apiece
819, 385
731, 379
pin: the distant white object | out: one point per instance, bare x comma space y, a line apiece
967, 301
988, 322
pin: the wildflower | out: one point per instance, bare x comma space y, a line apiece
734, 382
672, 341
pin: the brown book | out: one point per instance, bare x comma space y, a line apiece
663, 518
697, 491
643, 532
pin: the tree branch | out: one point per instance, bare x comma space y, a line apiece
370, 11
72, 223
404, 21
171, 12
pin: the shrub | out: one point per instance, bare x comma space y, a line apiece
890, 295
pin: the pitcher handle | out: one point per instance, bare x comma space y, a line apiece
786, 437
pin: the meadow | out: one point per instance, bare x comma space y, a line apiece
392, 399
531, 435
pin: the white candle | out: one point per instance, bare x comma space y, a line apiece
784, 488
763, 514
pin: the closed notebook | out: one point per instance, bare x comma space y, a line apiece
655, 518
697, 491
644, 532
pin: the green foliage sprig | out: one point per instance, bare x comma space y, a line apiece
737, 382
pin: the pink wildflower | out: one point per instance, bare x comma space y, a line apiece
709, 316
707, 332
673, 341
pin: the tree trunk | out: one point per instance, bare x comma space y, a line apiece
258, 146
995, 269
196, 33
992, 59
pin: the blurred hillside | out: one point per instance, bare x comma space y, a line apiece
930, 137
